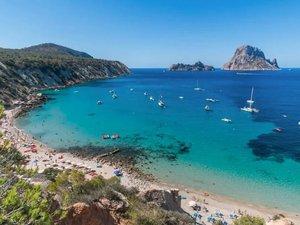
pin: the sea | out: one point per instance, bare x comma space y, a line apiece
184, 143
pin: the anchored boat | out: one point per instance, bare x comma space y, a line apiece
250, 102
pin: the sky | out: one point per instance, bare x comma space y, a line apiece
153, 33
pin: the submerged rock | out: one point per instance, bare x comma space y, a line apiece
198, 66
247, 57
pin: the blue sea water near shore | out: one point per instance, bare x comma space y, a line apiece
187, 145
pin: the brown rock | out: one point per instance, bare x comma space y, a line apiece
84, 214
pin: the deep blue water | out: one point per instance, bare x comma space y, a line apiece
187, 145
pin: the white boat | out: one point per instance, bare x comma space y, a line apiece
211, 100
161, 104
111, 91
99, 102
299, 123
226, 120
250, 107
131, 89
181, 97
197, 87
207, 108
145, 93
151, 98
114, 96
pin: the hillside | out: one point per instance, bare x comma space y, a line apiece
248, 57
46, 66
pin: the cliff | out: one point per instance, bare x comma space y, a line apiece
47, 66
250, 58
198, 66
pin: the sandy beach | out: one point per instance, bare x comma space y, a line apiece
41, 156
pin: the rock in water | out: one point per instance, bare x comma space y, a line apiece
250, 58
198, 66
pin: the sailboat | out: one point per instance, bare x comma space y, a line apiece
197, 88
250, 102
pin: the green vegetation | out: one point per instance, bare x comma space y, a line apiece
23, 203
20, 201
1, 111
249, 220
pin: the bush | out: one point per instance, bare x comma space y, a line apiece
1, 111
249, 220
51, 173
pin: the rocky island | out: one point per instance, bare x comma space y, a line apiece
248, 57
198, 66
48, 65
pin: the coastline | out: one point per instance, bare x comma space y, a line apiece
48, 157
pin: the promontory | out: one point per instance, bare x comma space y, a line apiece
198, 66
22, 71
248, 57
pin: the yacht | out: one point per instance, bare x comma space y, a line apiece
161, 104
250, 107
226, 120
197, 87
207, 108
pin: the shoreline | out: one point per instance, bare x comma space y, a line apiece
47, 157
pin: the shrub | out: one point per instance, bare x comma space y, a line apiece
249, 220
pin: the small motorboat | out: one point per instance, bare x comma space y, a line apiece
111, 91
211, 100
278, 129
181, 97
161, 104
284, 116
105, 136
131, 89
115, 136
207, 108
299, 123
226, 120
145, 93
99, 102
114, 96
151, 98
76, 91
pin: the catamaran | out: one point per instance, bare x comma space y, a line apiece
250, 107
197, 88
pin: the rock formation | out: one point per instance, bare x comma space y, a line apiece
250, 58
23, 71
168, 200
198, 66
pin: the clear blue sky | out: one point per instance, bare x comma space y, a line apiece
152, 33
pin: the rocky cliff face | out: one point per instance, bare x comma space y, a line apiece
250, 58
47, 66
198, 66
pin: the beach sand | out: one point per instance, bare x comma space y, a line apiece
41, 156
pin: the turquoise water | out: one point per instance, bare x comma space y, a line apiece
244, 160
